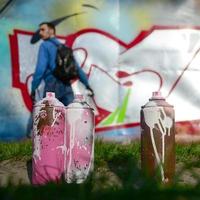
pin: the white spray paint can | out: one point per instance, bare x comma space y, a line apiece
79, 140
158, 138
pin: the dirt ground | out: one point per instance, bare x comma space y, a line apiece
15, 172
19, 172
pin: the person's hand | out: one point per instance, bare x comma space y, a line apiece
33, 96
90, 91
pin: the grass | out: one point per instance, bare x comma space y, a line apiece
116, 175
15, 150
104, 152
188, 153
117, 153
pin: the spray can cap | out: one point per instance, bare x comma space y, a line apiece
49, 100
78, 102
157, 95
50, 94
79, 97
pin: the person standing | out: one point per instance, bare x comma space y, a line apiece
46, 63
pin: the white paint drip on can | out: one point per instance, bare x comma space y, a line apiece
72, 117
152, 117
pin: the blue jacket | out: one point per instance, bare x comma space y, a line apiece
45, 65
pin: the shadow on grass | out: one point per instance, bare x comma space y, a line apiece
134, 185
116, 175
29, 169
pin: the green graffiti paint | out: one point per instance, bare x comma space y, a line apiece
122, 113
111, 118
119, 115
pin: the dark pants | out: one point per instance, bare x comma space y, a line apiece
63, 92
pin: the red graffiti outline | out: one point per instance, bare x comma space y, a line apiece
70, 40
131, 74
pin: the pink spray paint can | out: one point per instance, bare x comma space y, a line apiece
79, 140
48, 137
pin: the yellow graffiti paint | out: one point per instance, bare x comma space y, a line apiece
87, 8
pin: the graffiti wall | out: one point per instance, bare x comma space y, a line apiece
128, 49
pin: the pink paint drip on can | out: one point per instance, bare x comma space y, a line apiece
48, 137
79, 140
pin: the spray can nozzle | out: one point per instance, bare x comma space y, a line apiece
79, 97
50, 94
157, 95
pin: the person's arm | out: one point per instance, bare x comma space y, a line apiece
41, 67
83, 78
